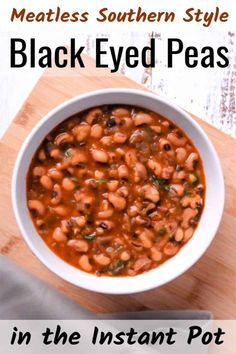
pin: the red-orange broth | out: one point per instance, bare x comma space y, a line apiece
116, 190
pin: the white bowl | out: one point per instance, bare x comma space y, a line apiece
188, 254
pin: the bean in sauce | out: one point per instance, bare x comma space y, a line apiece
116, 190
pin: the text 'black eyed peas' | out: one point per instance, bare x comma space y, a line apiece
116, 190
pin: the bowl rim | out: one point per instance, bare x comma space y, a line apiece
119, 280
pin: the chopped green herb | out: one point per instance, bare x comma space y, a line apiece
68, 153
160, 182
196, 179
103, 181
90, 237
190, 193
118, 265
162, 230
75, 179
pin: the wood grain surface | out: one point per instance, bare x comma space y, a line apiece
210, 284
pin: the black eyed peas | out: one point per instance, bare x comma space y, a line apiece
116, 190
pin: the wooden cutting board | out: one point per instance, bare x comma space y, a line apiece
210, 284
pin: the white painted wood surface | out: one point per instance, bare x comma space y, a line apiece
208, 93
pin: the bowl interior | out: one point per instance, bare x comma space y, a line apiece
187, 255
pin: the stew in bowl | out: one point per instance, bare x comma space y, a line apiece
116, 190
